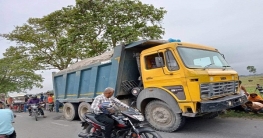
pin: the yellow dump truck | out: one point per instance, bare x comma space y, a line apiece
166, 80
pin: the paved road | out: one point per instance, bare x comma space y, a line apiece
54, 126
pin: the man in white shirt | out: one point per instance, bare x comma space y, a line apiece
107, 96
6, 120
259, 88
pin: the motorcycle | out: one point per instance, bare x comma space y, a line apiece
35, 111
127, 124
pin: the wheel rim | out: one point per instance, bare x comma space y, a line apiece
94, 132
84, 110
161, 116
68, 111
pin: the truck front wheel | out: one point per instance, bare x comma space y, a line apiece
161, 117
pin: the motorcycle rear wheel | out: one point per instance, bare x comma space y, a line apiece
89, 130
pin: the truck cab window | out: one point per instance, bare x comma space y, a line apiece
217, 61
150, 61
202, 61
170, 61
200, 58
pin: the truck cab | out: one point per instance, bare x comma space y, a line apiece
185, 79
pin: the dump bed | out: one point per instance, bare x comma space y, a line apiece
86, 79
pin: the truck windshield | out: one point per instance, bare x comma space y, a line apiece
199, 58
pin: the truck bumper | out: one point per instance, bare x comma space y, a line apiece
221, 103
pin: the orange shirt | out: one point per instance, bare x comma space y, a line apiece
255, 99
50, 99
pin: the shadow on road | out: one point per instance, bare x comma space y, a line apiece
199, 124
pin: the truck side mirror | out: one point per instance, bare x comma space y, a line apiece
159, 62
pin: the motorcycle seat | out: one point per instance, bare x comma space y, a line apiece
92, 118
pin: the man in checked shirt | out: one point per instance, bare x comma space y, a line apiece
99, 115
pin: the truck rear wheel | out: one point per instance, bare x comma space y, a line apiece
162, 118
70, 111
83, 108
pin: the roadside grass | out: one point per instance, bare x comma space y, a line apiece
250, 87
234, 114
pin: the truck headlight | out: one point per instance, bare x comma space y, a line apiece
229, 103
135, 91
240, 100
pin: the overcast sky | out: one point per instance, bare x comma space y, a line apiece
234, 27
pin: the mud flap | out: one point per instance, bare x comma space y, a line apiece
84, 124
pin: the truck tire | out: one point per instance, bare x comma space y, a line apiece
210, 115
70, 111
162, 118
83, 108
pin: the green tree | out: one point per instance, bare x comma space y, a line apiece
122, 20
88, 29
17, 74
251, 69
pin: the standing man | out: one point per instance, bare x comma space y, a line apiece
10, 102
102, 117
6, 120
41, 97
259, 88
46, 100
25, 104
50, 103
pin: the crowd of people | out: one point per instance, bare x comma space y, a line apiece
7, 115
254, 100
46, 98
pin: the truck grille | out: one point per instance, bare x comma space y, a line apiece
212, 90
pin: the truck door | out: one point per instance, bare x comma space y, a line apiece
165, 74
151, 74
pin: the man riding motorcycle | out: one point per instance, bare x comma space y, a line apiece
6, 119
100, 115
35, 100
